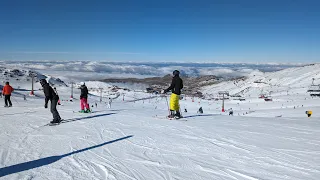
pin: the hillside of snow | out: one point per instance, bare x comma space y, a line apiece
133, 140
288, 81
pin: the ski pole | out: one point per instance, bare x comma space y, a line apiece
167, 105
15, 100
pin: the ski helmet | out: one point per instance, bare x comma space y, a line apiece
82, 83
176, 73
43, 81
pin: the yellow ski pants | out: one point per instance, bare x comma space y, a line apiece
174, 102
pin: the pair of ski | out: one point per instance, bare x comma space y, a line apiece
170, 118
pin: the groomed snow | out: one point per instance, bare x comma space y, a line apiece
133, 140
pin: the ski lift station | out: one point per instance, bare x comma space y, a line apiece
314, 90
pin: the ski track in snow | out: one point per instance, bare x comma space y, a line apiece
202, 148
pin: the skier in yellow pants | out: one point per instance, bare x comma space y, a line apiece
175, 87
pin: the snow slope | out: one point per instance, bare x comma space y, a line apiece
291, 80
133, 140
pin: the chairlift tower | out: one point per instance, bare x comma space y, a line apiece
223, 93
100, 94
32, 83
71, 96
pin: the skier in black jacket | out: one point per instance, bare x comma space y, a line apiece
84, 98
51, 95
175, 87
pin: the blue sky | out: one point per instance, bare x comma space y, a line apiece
166, 30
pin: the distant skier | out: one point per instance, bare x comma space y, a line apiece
230, 112
96, 104
6, 92
200, 110
109, 103
175, 87
51, 95
84, 99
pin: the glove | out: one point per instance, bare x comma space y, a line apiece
163, 91
46, 106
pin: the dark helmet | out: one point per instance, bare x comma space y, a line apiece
7, 83
43, 82
176, 73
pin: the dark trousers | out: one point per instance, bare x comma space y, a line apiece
7, 100
54, 110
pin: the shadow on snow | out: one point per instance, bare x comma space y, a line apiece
87, 117
197, 115
48, 160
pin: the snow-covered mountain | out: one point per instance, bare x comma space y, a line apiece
21, 78
295, 80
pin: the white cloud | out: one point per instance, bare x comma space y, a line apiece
99, 70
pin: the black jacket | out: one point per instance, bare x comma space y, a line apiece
84, 91
49, 93
176, 85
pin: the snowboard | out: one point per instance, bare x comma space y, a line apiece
83, 112
54, 124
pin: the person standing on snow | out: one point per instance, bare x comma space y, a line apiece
6, 92
175, 87
51, 95
84, 98
230, 112
109, 103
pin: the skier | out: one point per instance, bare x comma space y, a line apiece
84, 99
230, 112
51, 95
200, 110
109, 103
6, 92
175, 87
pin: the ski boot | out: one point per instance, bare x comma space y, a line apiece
55, 121
177, 115
171, 115
82, 111
88, 111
